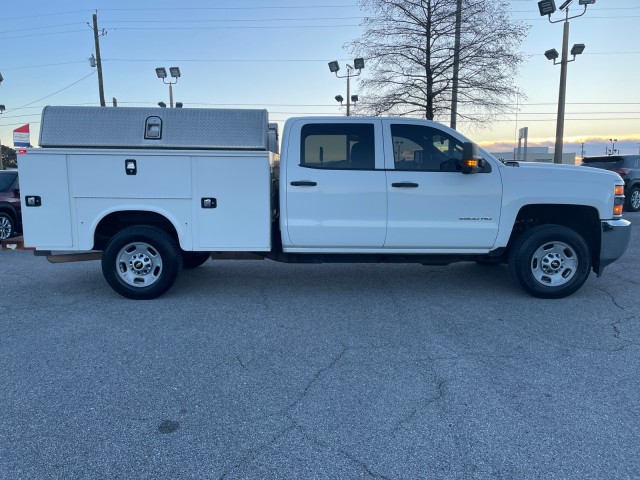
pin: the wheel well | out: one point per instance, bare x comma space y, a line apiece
116, 221
584, 220
9, 211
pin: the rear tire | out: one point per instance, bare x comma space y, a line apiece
141, 262
632, 202
550, 261
7, 226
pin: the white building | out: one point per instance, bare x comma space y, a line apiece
535, 154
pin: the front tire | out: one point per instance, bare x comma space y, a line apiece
550, 261
7, 226
633, 200
141, 262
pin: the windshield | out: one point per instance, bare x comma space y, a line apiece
6, 180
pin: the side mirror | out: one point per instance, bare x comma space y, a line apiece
472, 162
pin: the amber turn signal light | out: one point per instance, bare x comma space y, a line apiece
617, 209
619, 190
471, 163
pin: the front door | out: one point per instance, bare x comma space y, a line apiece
432, 204
335, 186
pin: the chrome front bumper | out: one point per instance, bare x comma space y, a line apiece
614, 242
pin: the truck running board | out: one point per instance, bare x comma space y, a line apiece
74, 257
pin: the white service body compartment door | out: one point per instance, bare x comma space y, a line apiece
232, 202
104, 175
47, 226
336, 193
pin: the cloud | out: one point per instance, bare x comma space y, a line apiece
593, 145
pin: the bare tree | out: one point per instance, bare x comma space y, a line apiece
410, 50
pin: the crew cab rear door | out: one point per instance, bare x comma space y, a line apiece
432, 204
335, 185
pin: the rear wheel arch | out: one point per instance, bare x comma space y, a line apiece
114, 222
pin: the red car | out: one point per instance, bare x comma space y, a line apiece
10, 217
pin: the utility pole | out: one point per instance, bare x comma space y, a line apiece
98, 59
456, 66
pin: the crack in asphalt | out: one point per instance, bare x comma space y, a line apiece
440, 386
616, 325
349, 456
315, 378
253, 453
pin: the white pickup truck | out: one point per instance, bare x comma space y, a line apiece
150, 191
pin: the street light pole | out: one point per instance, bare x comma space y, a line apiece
557, 154
358, 64
161, 72
1, 154
547, 7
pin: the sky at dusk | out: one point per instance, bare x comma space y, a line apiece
273, 54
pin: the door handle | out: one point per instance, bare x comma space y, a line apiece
404, 185
303, 183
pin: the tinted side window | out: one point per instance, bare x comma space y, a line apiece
338, 146
417, 147
6, 180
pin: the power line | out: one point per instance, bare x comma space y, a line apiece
236, 27
270, 7
44, 15
52, 94
42, 34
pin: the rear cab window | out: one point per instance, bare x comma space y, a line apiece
338, 146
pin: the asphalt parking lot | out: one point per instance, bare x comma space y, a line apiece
253, 369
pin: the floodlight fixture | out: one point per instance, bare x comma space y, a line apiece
161, 72
175, 72
339, 98
546, 7
577, 49
565, 4
586, 2
162, 105
551, 54
358, 64
354, 98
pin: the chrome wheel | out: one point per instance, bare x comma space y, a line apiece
139, 264
635, 200
6, 227
554, 264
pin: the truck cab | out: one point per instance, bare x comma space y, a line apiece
391, 185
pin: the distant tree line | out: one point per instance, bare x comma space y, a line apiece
9, 158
